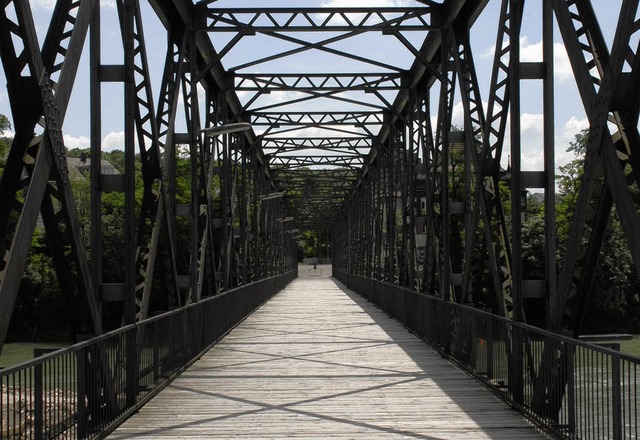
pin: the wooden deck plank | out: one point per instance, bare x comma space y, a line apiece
318, 361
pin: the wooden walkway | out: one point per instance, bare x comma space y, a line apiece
318, 361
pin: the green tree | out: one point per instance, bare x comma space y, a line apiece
614, 299
4, 142
4, 124
569, 183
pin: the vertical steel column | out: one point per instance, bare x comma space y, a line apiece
443, 167
95, 152
413, 203
550, 241
129, 312
516, 177
497, 240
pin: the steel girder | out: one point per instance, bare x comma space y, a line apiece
225, 243
464, 237
273, 20
419, 199
36, 177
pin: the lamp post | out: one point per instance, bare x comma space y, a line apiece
217, 130
271, 196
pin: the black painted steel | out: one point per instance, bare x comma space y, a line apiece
369, 157
86, 390
602, 385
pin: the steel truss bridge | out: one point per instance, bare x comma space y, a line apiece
289, 124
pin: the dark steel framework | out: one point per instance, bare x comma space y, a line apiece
407, 199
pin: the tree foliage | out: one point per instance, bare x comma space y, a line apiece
614, 301
4, 124
4, 141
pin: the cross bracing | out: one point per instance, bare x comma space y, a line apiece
282, 19
318, 81
355, 134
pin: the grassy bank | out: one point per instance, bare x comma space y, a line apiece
16, 352
630, 346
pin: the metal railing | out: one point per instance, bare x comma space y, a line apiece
571, 389
86, 390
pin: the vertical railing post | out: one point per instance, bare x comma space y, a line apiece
155, 340
445, 328
516, 365
38, 406
569, 353
81, 391
616, 397
490, 372
132, 366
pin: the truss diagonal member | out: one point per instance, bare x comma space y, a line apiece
165, 122
320, 46
445, 112
332, 95
50, 157
599, 82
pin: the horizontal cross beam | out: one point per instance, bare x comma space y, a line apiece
317, 142
317, 118
269, 20
318, 82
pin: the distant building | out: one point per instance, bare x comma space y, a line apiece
83, 165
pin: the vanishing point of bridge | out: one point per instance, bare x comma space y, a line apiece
390, 137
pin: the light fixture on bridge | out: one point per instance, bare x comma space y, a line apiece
270, 196
286, 219
234, 127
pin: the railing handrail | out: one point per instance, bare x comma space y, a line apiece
568, 387
87, 389
87, 343
524, 326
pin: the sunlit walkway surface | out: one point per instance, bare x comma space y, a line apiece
318, 361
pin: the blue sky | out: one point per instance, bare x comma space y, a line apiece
570, 116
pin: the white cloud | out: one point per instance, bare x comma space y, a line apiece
113, 141
76, 142
572, 127
43, 4
531, 124
111, 4
359, 4
532, 137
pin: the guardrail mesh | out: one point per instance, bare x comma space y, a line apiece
570, 388
86, 390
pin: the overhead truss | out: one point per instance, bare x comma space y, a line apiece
369, 153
